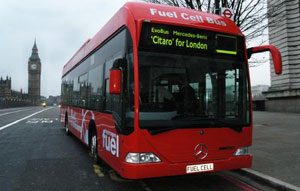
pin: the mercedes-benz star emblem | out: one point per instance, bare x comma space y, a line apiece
201, 151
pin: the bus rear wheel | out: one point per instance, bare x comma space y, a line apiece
67, 127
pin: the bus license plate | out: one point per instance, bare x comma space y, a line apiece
200, 168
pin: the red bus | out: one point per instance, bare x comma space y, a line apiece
163, 91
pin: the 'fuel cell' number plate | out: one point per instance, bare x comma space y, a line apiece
200, 168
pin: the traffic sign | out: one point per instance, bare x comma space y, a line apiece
226, 12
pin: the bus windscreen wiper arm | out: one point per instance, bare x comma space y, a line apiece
235, 127
200, 123
190, 117
155, 131
161, 130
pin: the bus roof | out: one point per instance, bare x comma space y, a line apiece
138, 11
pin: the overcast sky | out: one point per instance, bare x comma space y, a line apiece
60, 28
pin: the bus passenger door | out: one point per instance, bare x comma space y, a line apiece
112, 120
113, 103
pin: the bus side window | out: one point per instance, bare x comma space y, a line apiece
83, 89
96, 98
76, 91
108, 101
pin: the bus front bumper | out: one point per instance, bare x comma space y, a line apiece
139, 171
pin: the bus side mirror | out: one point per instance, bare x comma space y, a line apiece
115, 81
276, 56
115, 76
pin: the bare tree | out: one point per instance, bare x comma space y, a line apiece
249, 15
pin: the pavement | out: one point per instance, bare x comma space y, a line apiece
276, 145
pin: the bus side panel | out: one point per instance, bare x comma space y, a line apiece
78, 120
109, 141
112, 147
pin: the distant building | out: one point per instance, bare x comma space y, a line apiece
258, 98
5, 87
257, 92
52, 100
284, 27
34, 76
9, 97
20, 95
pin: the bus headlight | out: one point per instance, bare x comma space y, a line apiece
138, 158
241, 151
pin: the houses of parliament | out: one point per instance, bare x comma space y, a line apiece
34, 83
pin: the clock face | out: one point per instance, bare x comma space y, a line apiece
33, 66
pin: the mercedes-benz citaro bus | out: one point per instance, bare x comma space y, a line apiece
163, 91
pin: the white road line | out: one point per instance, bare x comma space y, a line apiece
14, 108
12, 112
17, 121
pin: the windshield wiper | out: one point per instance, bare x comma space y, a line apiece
216, 122
210, 121
235, 127
162, 130
156, 131
188, 122
190, 117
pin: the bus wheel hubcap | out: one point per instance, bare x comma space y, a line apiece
93, 146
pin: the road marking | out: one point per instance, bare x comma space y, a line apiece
13, 112
97, 170
19, 120
115, 177
15, 108
41, 120
144, 185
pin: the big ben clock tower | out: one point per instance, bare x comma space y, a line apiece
34, 76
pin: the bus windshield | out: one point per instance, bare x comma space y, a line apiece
178, 91
191, 77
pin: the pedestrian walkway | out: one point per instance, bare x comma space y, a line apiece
276, 145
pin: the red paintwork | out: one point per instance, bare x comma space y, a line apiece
134, 171
175, 148
178, 146
115, 81
276, 56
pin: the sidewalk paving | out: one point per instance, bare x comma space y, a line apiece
276, 145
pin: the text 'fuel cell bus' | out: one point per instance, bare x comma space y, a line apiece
162, 91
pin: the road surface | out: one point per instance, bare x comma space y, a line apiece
36, 154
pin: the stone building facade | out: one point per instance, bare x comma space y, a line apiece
5, 87
284, 33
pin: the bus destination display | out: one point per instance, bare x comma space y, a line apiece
167, 36
186, 39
